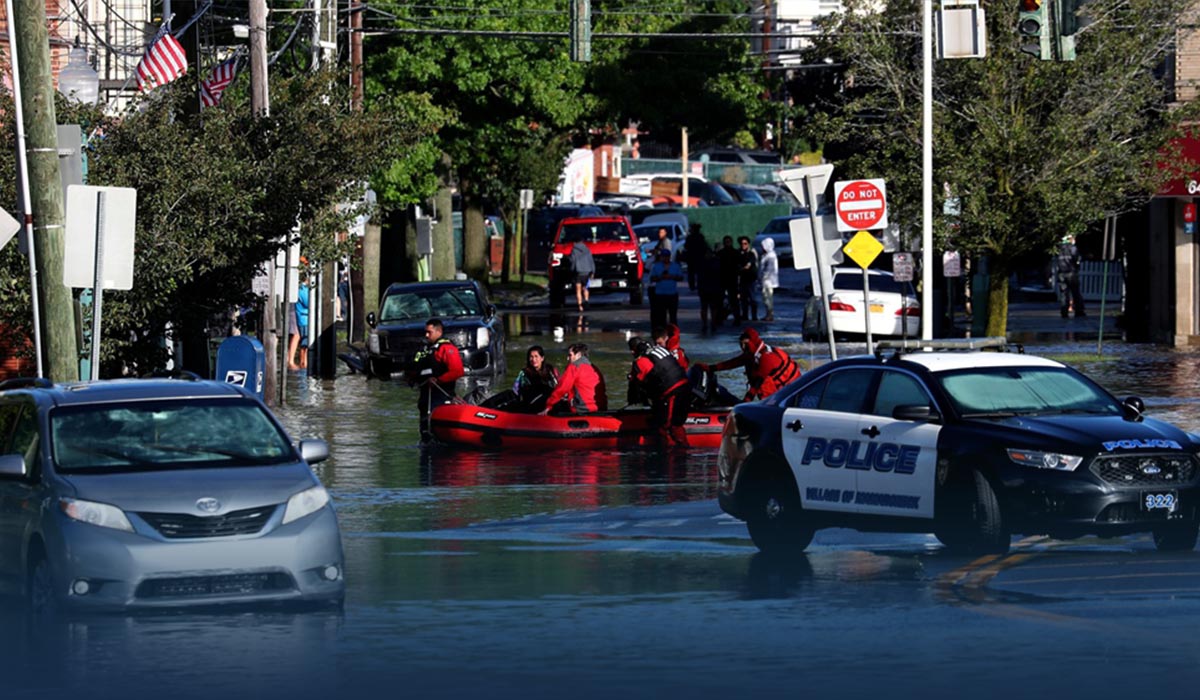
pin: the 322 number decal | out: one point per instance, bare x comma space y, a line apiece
1160, 501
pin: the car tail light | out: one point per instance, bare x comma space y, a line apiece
835, 305
909, 311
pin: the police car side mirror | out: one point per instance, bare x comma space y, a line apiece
1133, 407
371, 320
12, 465
916, 412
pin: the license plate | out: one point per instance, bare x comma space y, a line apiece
593, 283
876, 308
1160, 500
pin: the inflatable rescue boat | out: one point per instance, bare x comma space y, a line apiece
479, 426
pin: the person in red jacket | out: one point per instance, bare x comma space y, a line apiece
581, 384
436, 369
767, 368
657, 376
668, 337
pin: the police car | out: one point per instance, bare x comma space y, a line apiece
970, 445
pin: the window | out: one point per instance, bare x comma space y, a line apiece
843, 391
898, 389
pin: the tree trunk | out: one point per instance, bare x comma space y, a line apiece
997, 323
444, 265
476, 262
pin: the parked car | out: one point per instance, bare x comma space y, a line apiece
151, 493
971, 446
470, 321
543, 223
744, 194
776, 194
647, 234
779, 231
708, 191
615, 251
894, 308
730, 154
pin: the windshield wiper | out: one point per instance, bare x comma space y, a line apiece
118, 454
200, 449
992, 414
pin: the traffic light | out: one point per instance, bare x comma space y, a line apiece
1068, 24
581, 30
1035, 27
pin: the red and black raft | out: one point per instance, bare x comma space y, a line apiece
477, 426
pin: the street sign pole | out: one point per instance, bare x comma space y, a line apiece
822, 268
867, 309
98, 286
863, 248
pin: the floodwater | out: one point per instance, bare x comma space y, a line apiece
602, 574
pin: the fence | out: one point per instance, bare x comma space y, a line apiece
1092, 283
735, 173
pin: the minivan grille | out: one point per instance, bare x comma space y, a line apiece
183, 526
230, 584
1141, 470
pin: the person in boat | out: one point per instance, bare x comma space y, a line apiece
581, 387
435, 369
668, 337
536, 379
767, 368
657, 376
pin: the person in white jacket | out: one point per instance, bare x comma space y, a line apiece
768, 276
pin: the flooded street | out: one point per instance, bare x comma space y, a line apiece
614, 574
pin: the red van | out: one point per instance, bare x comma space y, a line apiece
614, 250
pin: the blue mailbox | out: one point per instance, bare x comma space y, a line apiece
240, 361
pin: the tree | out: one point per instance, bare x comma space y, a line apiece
219, 194
1032, 149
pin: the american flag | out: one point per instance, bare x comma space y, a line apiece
163, 62
222, 76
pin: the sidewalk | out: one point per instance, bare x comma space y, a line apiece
1028, 320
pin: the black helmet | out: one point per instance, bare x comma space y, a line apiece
638, 346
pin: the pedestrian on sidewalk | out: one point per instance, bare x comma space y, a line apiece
711, 292
665, 275
747, 277
768, 273
731, 262
1066, 264
695, 250
583, 265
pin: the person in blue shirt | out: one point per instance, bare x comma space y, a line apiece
298, 342
665, 275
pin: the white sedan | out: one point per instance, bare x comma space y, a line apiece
893, 306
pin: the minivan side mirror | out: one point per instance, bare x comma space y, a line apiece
314, 450
13, 465
1133, 408
371, 320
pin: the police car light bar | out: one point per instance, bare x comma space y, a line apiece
942, 344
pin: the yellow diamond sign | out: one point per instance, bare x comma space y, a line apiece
863, 248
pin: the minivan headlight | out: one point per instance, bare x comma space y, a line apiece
1045, 460
482, 336
305, 503
93, 513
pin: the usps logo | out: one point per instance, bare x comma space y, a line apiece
236, 376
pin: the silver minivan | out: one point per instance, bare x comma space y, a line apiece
150, 493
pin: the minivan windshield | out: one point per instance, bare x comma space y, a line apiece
159, 435
1000, 392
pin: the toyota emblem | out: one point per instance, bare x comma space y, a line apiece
208, 505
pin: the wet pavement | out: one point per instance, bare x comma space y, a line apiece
614, 574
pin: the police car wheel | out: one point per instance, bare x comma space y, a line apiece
1177, 537
775, 519
972, 523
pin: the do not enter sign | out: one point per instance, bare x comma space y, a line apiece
861, 205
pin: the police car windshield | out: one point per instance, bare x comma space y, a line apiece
158, 435
997, 392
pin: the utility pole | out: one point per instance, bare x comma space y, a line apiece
366, 276
325, 53
260, 104
27, 26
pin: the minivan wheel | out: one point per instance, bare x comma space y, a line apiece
40, 590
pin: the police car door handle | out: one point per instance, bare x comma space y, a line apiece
870, 432
795, 425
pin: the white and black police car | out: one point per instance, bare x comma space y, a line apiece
970, 445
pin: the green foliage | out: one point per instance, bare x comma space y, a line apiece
219, 194
1033, 149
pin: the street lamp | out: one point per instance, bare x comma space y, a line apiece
78, 80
